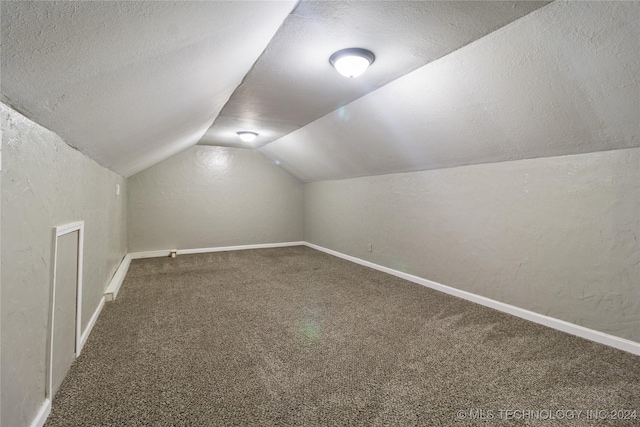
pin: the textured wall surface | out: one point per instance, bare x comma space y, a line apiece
213, 196
558, 236
46, 183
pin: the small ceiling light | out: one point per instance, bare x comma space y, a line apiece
247, 136
352, 62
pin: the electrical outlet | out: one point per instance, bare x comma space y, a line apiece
370, 247
117, 189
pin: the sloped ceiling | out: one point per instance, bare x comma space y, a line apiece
561, 80
130, 83
293, 84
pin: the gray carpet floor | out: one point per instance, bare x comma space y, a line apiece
292, 336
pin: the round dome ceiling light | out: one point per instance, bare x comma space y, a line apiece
247, 136
352, 62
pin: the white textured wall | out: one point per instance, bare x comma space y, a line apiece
558, 236
46, 183
213, 196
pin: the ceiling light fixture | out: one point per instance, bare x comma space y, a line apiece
352, 62
247, 136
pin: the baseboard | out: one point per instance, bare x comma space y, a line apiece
239, 248
561, 325
116, 281
92, 322
151, 254
43, 414
167, 252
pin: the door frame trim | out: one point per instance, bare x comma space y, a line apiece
61, 231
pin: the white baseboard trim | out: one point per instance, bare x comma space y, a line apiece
151, 254
43, 414
239, 248
116, 281
561, 325
167, 252
90, 325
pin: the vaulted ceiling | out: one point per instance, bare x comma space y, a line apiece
132, 83
564, 79
293, 84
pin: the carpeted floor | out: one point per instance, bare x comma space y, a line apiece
292, 336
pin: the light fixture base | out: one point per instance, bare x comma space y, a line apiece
352, 62
247, 136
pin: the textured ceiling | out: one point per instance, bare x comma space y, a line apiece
293, 84
130, 83
561, 80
